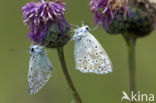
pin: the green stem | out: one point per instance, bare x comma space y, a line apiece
131, 63
66, 73
131, 41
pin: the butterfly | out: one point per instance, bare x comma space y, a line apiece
39, 69
90, 57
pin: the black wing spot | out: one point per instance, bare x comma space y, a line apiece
100, 52
35, 61
88, 40
29, 76
80, 60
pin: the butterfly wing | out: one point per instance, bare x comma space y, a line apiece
39, 72
90, 56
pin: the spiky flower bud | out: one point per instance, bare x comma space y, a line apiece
137, 24
105, 10
117, 18
148, 6
119, 24
46, 22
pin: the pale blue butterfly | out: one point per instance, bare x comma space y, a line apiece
90, 57
39, 69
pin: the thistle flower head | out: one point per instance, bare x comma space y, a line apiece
148, 6
40, 16
105, 10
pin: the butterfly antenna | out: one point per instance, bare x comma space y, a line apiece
73, 30
12, 50
75, 25
94, 28
32, 44
82, 23
45, 45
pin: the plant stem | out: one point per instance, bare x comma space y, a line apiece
66, 73
131, 63
131, 41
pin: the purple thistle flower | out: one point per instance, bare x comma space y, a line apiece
40, 15
105, 11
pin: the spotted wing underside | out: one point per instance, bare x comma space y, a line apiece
39, 72
90, 56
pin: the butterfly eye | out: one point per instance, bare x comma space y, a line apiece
87, 28
32, 50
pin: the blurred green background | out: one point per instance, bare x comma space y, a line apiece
14, 62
